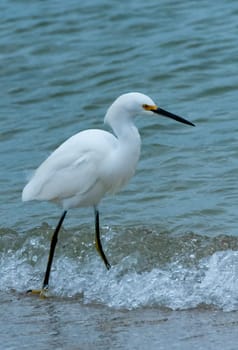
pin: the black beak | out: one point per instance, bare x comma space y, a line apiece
172, 116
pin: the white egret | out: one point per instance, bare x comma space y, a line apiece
92, 163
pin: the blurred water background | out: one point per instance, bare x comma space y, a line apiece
171, 234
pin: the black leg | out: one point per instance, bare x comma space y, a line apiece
98, 241
52, 250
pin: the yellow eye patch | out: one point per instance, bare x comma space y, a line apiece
149, 107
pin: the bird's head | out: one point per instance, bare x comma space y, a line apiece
134, 103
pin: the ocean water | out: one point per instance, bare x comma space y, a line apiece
171, 233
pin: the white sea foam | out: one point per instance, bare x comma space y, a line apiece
212, 282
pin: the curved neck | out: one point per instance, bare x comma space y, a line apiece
129, 142
127, 152
125, 129
121, 122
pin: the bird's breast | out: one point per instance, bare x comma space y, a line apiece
119, 167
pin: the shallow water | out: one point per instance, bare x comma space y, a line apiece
66, 324
171, 234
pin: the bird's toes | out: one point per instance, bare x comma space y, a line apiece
42, 293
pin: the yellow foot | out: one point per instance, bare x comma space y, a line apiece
43, 293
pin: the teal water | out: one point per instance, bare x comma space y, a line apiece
171, 234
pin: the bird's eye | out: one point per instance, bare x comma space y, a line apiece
146, 107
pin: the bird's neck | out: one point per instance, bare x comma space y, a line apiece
129, 142
125, 130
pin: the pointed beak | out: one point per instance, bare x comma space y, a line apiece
163, 112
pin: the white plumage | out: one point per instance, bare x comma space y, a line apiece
92, 163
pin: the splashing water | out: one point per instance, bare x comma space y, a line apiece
149, 269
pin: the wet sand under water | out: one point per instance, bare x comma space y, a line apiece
64, 323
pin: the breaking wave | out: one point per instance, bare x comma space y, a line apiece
149, 268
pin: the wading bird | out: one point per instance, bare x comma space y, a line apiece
92, 163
